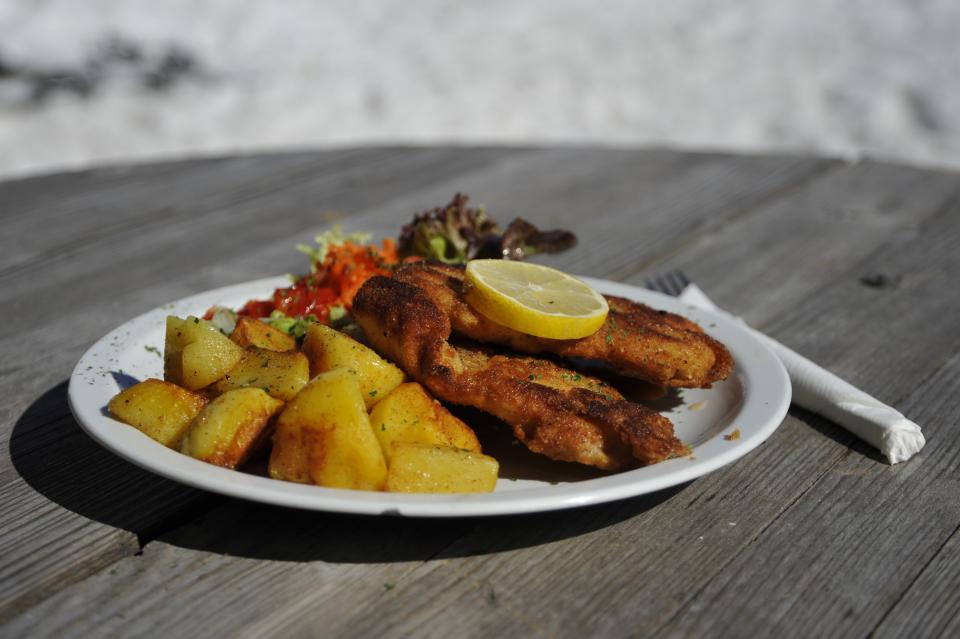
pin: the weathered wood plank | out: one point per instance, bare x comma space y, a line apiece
622, 204
111, 207
70, 507
843, 555
103, 298
109, 290
880, 380
54, 472
521, 574
931, 608
649, 222
846, 551
176, 234
614, 570
622, 580
276, 558
926, 249
764, 263
657, 167
107, 296
141, 272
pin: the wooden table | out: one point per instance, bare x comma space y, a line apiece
812, 534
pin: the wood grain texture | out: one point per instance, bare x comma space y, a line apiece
274, 559
169, 229
763, 263
844, 553
112, 244
931, 608
902, 524
806, 533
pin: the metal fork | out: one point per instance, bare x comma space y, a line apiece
669, 283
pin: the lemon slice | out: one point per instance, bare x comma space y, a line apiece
534, 299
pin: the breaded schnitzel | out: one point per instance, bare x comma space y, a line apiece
554, 411
656, 346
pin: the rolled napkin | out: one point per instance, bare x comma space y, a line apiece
822, 392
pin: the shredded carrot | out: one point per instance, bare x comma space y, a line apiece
334, 282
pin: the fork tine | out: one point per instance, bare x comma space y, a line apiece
670, 283
680, 281
655, 283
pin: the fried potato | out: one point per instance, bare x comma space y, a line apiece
250, 331
410, 415
281, 375
196, 353
231, 427
323, 436
424, 468
159, 409
328, 349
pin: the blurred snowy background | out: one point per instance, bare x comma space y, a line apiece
95, 81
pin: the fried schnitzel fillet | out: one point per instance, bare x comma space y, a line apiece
656, 346
554, 411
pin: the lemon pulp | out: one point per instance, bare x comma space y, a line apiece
534, 299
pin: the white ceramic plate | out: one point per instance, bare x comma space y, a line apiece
721, 424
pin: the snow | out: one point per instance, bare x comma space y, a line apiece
856, 78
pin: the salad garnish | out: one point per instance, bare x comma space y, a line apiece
341, 262
457, 233
339, 265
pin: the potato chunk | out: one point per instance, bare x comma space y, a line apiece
250, 331
328, 348
422, 468
159, 409
408, 414
230, 428
324, 437
281, 375
196, 353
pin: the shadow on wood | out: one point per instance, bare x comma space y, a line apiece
61, 462
57, 459
831, 430
259, 531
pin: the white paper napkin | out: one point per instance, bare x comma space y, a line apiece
822, 392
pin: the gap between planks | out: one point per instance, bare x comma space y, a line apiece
148, 542
145, 535
171, 524
938, 211
952, 356
755, 208
817, 173
913, 582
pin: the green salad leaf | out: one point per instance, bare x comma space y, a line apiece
295, 326
325, 240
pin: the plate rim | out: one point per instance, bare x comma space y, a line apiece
192, 472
